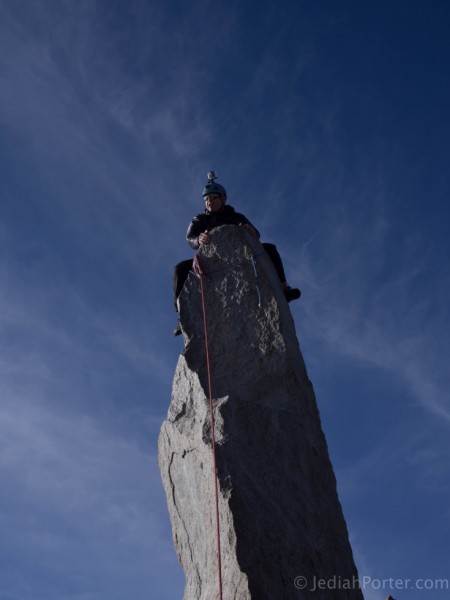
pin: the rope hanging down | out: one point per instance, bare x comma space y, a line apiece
198, 272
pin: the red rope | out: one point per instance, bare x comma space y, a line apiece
200, 274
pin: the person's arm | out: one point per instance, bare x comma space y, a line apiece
196, 227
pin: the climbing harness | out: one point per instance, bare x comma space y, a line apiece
199, 273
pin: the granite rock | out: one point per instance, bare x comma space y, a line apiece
282, 529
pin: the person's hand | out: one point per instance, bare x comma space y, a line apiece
204, 238
249, 228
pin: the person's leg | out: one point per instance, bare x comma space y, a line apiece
289, 292
275, 257
180, 274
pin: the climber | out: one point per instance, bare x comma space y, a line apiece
217, 213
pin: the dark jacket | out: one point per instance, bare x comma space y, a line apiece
207, 221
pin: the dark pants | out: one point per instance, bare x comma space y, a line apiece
182, 269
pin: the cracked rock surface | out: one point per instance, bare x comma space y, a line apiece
280, 517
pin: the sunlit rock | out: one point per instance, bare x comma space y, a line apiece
282, 530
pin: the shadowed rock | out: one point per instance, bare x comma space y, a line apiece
280, 517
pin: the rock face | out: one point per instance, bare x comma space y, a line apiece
282, 530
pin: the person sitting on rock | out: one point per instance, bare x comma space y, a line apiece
218, 213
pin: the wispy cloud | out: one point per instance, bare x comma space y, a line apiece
366, 297
99, 141
89, 495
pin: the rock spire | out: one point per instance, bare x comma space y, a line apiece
282, 530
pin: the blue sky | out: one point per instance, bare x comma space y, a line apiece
328, 124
